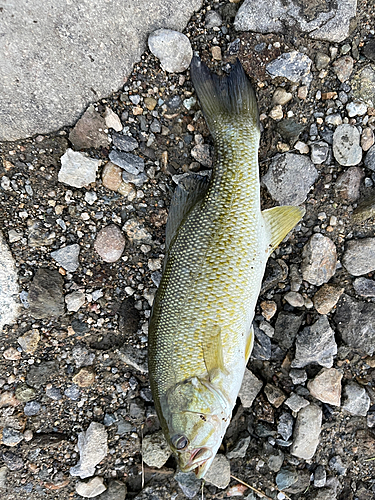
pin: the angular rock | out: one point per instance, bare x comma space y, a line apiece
296, 403
286, 478
11, 437
116, 490
239, 451
125, 143
367, 140
89, 131
129, 162
110, 243
39, 375
92, 446
249, 389
81, 54
274, 395
201, 153
315, 344
298, 376
67, 257
46, 294
85, 377
346, 148
306, 432
9, 303
29, 341
112, 120
188, 481
74, 300
262, 345
294, 66
359, 256
326, 298
91, 488
326, 386
343, 68
155, 450
286, 329
364, 287
285, 425
281, 96
370, 159
320, 476
317, 20
289, 178
348, 184
77, 169
363, 85
38, 235
172, 48
219, 472
355, 322
355, 399
319, 260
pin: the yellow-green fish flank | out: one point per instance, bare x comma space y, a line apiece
218, 242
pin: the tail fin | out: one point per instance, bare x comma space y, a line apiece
224, 97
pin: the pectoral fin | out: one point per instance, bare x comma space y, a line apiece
213, 351
281, 220
249, 344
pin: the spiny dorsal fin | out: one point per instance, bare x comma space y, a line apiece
189, 191
281, 220
223, 97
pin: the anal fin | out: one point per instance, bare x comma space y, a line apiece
249, 344
280, 221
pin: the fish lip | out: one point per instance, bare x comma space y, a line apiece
197, 465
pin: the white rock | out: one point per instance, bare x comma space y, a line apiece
93, 447
67, 257
74, 300
112, 120
92, 488
77, 169
356, 108
306, 432
172, 48
9, 303
155, 450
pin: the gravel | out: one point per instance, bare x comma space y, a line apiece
81, 356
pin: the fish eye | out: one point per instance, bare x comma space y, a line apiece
180, 442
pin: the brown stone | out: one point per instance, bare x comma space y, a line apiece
110, 243
326, 298
150, 103
89, 131
111, 176
326, 386
85, 377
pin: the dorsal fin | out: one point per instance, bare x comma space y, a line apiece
188, 192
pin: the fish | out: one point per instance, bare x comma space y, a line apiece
218, 241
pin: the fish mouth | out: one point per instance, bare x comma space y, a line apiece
199, 462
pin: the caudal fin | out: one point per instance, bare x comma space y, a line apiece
222, 98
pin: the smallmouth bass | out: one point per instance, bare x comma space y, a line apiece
217, 244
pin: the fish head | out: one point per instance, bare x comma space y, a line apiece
198, 416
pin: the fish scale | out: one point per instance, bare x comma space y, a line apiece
200, 335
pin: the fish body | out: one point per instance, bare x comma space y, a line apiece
218, 242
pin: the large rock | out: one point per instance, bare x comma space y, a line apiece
319, 260
54, 68
46, 294
306, 432
93, 447
315, 344
355, 322
359, 256
289, 178
9, 304
346, 148
321, 20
